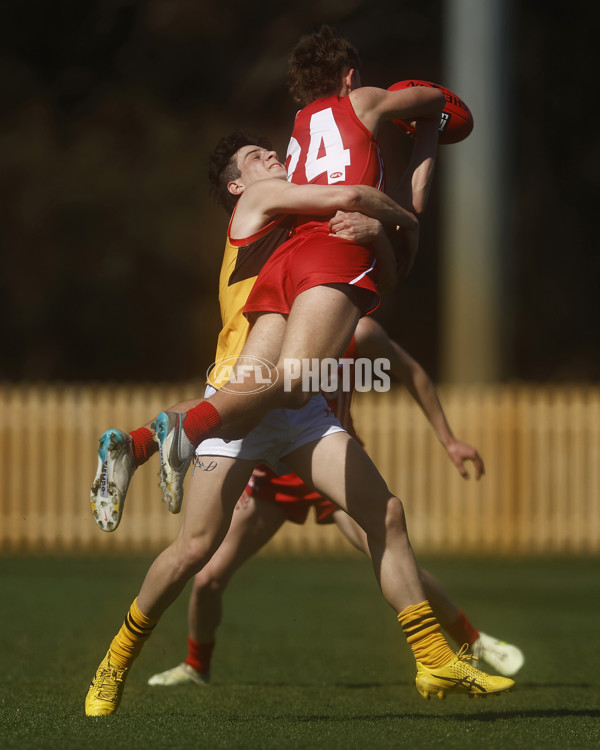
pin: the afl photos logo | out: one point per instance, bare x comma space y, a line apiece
247, 374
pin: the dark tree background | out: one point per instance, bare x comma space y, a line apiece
111, 246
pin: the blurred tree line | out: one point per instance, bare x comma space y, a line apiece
111, 245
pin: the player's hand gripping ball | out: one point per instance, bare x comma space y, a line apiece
456, 122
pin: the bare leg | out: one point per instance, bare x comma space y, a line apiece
212, 496
320, 324
339, 468
254, 523
445, 609
352, 531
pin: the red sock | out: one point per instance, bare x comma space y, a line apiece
144, 445
199, 655
201, 422
462, 631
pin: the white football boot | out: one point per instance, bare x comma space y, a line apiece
505, 658
182, 674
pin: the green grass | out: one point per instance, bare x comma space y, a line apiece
309, 656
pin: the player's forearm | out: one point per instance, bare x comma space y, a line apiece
421, 388
405, 263
387, 265
378, 205
427, 397
274, 197
417, 180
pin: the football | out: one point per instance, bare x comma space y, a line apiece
456, 122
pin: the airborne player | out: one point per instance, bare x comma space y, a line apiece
308, 280
315, 275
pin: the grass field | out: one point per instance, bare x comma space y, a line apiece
309, 656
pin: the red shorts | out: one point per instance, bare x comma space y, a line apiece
313, 258
295, 497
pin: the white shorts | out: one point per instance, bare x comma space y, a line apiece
279, 432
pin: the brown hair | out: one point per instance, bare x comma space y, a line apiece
317, 65
222, 165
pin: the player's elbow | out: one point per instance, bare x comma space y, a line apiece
353, 198
418, 208
438, 100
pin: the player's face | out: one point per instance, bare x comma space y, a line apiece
256, 163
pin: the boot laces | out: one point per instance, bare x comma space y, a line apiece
108, 678
463, 654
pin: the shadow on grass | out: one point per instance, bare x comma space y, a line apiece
486, 716
529, 686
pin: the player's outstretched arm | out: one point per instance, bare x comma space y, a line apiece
421, 106
274, 197
373, 342
374, 105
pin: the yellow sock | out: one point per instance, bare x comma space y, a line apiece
423, 633
134, 632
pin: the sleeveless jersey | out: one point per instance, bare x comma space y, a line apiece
330, 145
242, 262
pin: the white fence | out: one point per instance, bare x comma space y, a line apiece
540, 494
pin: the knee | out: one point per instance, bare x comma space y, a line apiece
208, 583
395, 518
384, 519
191, 555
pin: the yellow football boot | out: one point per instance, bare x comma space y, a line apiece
106, 689
459, 676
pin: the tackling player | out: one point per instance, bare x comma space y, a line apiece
269, 501
311, 443
318, 284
